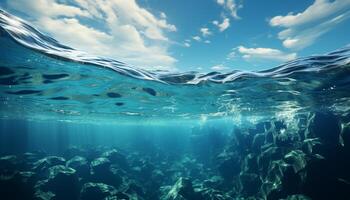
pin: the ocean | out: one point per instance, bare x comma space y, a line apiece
75, 126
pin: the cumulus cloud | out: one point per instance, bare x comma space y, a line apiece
220, 67
230, 6
224, 25
197, 38
186, 44
303, 29
163, 15
265, 54
231, 55
125, 30
205, 32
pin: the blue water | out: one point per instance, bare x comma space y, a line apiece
192, 135
47, 75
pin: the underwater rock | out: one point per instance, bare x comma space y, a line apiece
297, 197
291, 181
297, 159
258, 141
214, 182
266, 188
243, 141
274, 175
122, 195
95, 191
284, 140
143, 169
254, 165
32, 157
250, 184
279, 125
309, 145
17, 185
119, 104
346, 137
63, 182
100, 165
42, 165
276, 194
269, 137
101, 168
259, 128
229, 168
116, 158
8, 163
211, 194
133, 187
81, 165
321, 181
182, 190
269, 155
157, 176
41, 195
325, 126
250, 164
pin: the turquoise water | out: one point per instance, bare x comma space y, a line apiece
50, 80
189, 135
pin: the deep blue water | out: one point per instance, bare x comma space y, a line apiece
120, 132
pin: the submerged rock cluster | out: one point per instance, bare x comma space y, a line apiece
269, 161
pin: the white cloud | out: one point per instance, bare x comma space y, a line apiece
163, 15
205, 32
47, 8
303, 29
265, 54
231, 55
230, 6
197, 38
224, 25
220, 67
207, 41
186, 44
221, 2
129, 32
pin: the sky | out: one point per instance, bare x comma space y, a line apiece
192, 35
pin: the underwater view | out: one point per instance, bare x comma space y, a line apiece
74, 126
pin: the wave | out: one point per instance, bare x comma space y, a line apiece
35, 71
23, 33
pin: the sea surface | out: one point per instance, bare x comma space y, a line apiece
77, 126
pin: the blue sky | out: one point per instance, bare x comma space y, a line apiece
200, 35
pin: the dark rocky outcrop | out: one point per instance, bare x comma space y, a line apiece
94, 191
101, 172
271, 160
